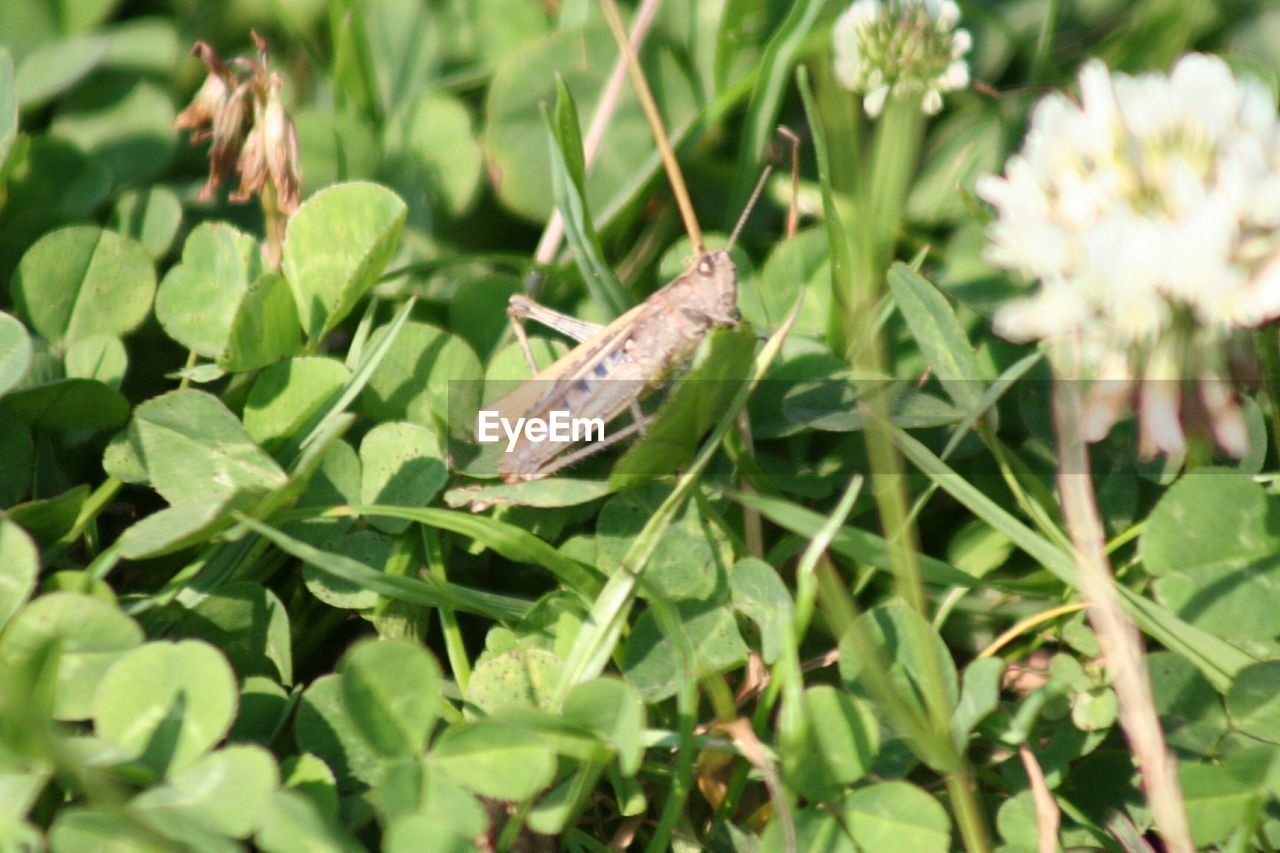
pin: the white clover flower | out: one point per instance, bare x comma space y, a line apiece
1150, 214
905, 48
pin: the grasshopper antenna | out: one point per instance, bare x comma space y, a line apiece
792, 210
650, 107
751, 203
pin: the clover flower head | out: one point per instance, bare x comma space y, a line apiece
1147, 211
903, 48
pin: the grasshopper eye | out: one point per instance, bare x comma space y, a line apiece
705, 267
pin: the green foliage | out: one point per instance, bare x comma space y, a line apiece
166, 704
515, 135
90, 635
337, 245
392, 691
255, 593
568, 181
82, 281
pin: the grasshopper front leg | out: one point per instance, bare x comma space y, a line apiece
521, 308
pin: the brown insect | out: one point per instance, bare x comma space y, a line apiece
615, 365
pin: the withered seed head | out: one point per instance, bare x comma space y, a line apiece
203, 109
229, 127
239, 108
280, 139
252, 166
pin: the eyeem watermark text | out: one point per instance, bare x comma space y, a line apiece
558, 426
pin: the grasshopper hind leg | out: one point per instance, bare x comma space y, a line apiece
521, 308
581, 453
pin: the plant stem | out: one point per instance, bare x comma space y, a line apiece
1024, 625
895, 156
274, 221
89, 510
1267, 342
598, 639
752, 527
687, 715
553, 234
649, 107
970, 818
856, 288
455, 648
1121, 644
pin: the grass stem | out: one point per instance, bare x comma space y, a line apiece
1120, 641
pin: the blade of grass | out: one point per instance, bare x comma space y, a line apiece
990, 397
788, 674
854, 543
512, 542
766, 95
500, 608
301, 456
994, 392
687, 717
1216, 659
787, 677
353, 72
841, 252
321, 422
403, 561
360, 337
232, 555
643, 175
568, 181
938, 333
455, 648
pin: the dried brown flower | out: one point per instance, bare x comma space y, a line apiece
284, 163
239, 108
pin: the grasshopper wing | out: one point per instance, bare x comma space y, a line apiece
596, 380
551, 385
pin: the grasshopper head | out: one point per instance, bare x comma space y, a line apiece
714, 284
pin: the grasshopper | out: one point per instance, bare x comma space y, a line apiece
615, 365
